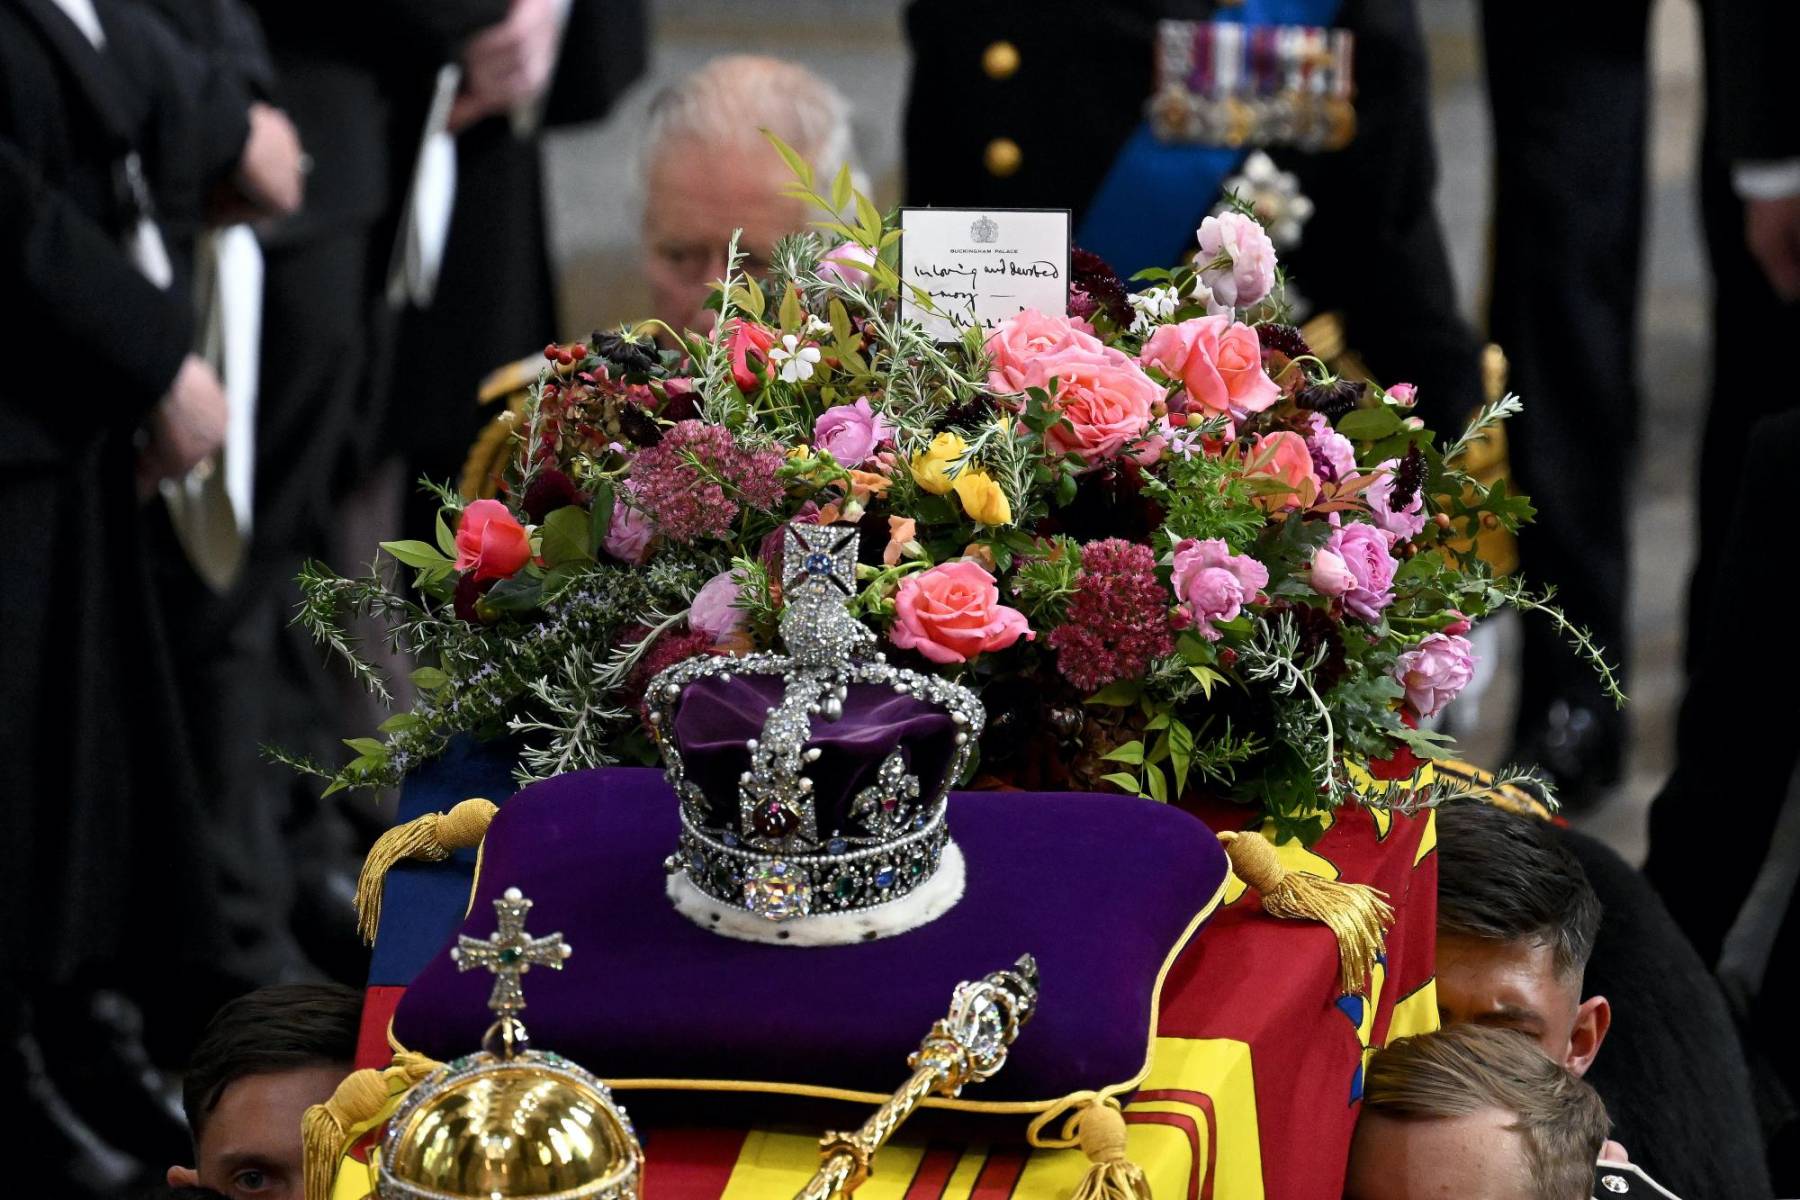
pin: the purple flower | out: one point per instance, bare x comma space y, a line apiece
1434, 671
1364, 551
851, 433
1237, 259
1213, 583
1401, 525
1334, 458
712, 611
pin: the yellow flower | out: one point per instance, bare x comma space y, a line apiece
932, 468
982, 498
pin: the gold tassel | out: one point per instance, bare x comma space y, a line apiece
1356, 913
1101, 1127
325, 1128
430, 838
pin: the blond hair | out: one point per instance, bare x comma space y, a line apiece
1467, 1069
733, 97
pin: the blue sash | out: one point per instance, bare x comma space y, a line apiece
1152, 199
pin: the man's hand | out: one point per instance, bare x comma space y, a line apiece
508, 64
271, 176
1772, 231
186, 427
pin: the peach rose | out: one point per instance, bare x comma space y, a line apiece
490, 541
1285, 456
1026, 349
1219, 362
1109, 405
952, 613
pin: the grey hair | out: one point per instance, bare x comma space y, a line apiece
733, 97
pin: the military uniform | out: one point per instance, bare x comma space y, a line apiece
1029, 103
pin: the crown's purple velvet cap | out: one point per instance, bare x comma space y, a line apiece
715, 717
1100, 889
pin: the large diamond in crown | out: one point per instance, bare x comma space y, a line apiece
811, 783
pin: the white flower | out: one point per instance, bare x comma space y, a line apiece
817, 327
796, 361
1154, 306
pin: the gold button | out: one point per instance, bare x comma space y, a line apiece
1000, 60
1002, 157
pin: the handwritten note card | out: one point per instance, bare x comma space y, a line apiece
982, 266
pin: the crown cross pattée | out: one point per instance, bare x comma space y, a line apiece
509, 952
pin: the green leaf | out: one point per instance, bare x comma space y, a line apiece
1130, 752
565, 536
1368, 424
1181, 753
1118, 695
791, 316
869, 219
840, 188
429, 678
1207, 678
748, 296
600, 519
1125, 780
1159, 788
399, 721
799, 166
516, 595
416, 554
445, 539
367, 747
840, 324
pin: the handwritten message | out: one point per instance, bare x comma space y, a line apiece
978, 267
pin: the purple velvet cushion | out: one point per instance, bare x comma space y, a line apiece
1101, 889
717, 716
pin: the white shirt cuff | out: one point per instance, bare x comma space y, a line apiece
1775, 179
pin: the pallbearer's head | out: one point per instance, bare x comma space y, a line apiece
1475, 1113
708, 170
1516, 923
262, 1062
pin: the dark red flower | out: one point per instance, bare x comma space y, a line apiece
1119, 619
548, 491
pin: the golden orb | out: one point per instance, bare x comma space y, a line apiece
1002, 157
1000, 60
493, 1128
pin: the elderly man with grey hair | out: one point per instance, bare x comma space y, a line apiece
708, 170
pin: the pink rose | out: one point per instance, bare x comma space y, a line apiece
1434, 671
851, 432
1364, 550
846, 262
629, 535
1237, 259
1404, 394
1219, 362
1334, 458
1213, 584
1027, 349
953, 612
748, 344
1329, 574
1108, 404
711, 611
1399, 526
491, 541
1284, 455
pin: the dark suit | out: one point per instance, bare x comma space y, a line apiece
1750, 117
103, 859
1373, 252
